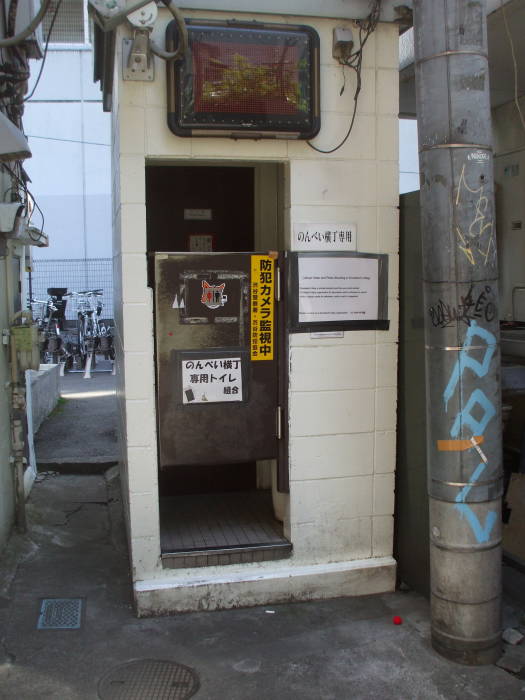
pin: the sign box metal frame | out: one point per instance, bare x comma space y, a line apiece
376, 320
244, 80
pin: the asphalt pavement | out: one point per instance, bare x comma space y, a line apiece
72, 568
81, 433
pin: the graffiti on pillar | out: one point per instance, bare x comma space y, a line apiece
474, 305
477, 241
475, 415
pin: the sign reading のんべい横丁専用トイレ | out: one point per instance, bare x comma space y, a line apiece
211, 380
338, 291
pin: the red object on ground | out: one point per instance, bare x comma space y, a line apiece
397, 620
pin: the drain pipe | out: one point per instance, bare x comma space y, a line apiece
460, 281
18, 408
18, 439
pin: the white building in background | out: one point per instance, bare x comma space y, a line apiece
70, 171
408, 156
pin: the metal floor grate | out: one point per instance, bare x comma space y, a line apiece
60, 614
149, 679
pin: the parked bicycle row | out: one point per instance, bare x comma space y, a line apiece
75, 346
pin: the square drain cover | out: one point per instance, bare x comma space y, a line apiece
60, 614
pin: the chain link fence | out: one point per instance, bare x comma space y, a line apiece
76, 276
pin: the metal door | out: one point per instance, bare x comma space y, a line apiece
217, 367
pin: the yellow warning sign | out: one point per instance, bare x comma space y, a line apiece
262, 330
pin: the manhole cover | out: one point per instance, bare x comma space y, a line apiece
149, 679
60, 614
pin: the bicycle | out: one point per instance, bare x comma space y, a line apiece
50, 324
93, 336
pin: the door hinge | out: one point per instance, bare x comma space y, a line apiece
279, 422
277, 283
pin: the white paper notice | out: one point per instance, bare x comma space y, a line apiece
211, 380
338, 289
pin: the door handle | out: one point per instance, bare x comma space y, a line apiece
279, 422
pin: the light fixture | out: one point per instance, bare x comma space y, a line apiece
13, 143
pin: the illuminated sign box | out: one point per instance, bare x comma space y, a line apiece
252, 80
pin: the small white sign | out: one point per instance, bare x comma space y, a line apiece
201, 242
211, 380
197, 214
327, 334
324, 237
338, 289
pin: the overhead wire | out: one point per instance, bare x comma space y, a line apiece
9, 42
51, 25
14, 72
354, 61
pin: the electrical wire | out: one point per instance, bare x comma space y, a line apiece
28, 195
180, 51
51, 25
354, 61
10, 42
515, 63
53, 138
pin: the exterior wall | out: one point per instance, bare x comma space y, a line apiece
509, 177
69, 136
11, 267
342, 391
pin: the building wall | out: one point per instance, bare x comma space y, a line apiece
342, 390
70, 170
509, 178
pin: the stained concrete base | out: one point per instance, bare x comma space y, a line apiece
233, 589
330, 650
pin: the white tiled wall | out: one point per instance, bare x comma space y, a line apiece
342, 390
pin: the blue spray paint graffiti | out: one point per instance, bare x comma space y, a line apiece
481, 532
464, 359
465, 418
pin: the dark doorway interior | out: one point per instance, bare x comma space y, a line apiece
210, 514
227, 191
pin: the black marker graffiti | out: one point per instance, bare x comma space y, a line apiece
444, 315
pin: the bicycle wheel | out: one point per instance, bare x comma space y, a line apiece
81, 345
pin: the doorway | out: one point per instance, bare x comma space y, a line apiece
217, 483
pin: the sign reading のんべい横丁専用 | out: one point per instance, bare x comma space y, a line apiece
324, 237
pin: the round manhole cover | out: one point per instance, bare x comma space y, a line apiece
149, 679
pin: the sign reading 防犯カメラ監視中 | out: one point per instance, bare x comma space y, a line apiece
262, 326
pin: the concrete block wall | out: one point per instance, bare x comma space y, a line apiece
342, 391
44, 392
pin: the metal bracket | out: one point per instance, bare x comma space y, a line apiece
137, 63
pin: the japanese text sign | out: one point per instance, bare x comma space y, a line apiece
211, 380
262, 327
324, 237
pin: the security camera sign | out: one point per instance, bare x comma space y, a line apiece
211, 380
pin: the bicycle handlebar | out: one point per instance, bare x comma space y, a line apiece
86, 292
